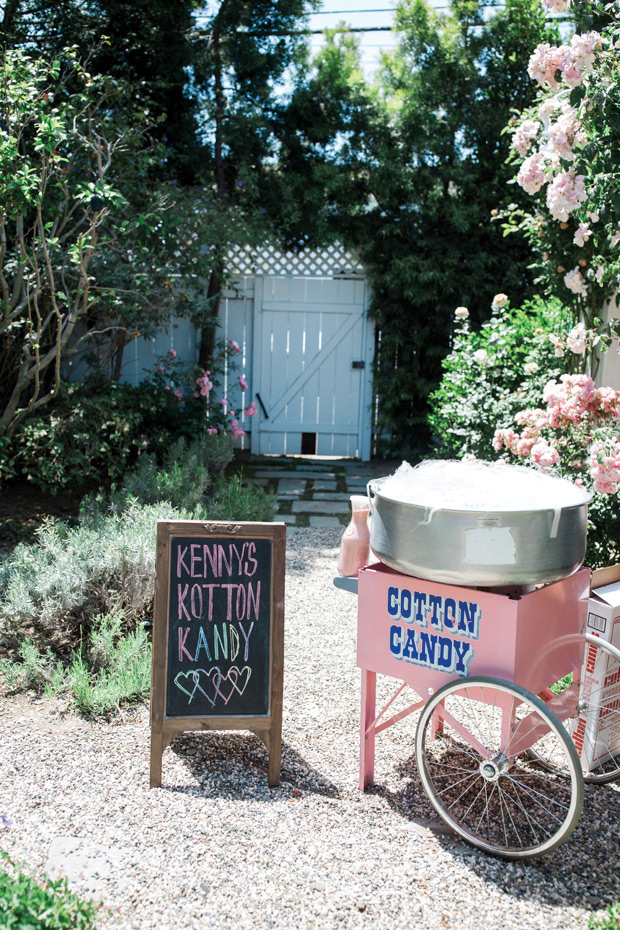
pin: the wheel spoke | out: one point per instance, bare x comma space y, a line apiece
531, 792
459, 782
514, 826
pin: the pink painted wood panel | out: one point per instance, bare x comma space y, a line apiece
427, 634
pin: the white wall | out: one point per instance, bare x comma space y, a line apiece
608, 372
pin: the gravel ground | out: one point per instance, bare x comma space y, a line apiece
215, 847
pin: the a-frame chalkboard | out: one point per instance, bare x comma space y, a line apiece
218, 633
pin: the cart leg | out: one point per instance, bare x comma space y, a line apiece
367, 741
436, 723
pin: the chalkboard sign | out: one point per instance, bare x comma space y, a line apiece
218, 633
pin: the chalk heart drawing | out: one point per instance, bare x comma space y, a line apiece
224, 686
197, 679
236, 678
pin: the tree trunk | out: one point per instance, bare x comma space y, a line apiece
216, 278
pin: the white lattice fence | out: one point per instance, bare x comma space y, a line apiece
333, 261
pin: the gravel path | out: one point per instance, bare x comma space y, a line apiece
215, 847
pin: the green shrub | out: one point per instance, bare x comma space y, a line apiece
89, 432
232, 501
187, 474
476, 398
112, 667
52, 589
610, 921
29, 903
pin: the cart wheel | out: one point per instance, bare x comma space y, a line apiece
595, 723
472, 747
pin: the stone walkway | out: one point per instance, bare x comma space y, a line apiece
315, 492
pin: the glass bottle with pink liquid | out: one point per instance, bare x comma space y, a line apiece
355, 545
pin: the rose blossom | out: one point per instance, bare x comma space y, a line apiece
530, 368
565, 134
557, 344
545, 61
582, 234
565, 193
524, 135
461, 313
499, 301
531, 174
481, 356
556, 6
236, 430
544, 455
243, 383
574, 281
577, 338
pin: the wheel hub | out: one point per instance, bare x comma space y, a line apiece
491, 769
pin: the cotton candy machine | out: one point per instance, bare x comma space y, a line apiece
478, 524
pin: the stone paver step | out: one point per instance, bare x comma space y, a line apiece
322, 507
305, 475
323, 522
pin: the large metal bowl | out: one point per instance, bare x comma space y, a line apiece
476, 548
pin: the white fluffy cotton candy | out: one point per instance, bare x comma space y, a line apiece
480, 486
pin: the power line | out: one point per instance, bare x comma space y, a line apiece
347, 12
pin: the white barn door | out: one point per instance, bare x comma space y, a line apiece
312, 380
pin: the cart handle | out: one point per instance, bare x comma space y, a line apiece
346, 583
371, 496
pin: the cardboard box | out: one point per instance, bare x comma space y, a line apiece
597, 734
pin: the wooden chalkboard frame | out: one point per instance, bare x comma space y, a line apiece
268, 727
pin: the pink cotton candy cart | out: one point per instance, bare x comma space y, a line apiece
518, 703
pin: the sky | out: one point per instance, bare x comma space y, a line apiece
362, 14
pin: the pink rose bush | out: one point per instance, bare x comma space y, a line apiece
192, 392
579, 423
567, 150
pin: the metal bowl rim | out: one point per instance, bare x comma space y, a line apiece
471, 511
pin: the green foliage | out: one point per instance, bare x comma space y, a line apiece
232, 501
411, 173
609, 921
50, 591
97, 431
79, 258
30, 903
186, 476
88, 433
111, 668
475, 397
438, 175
